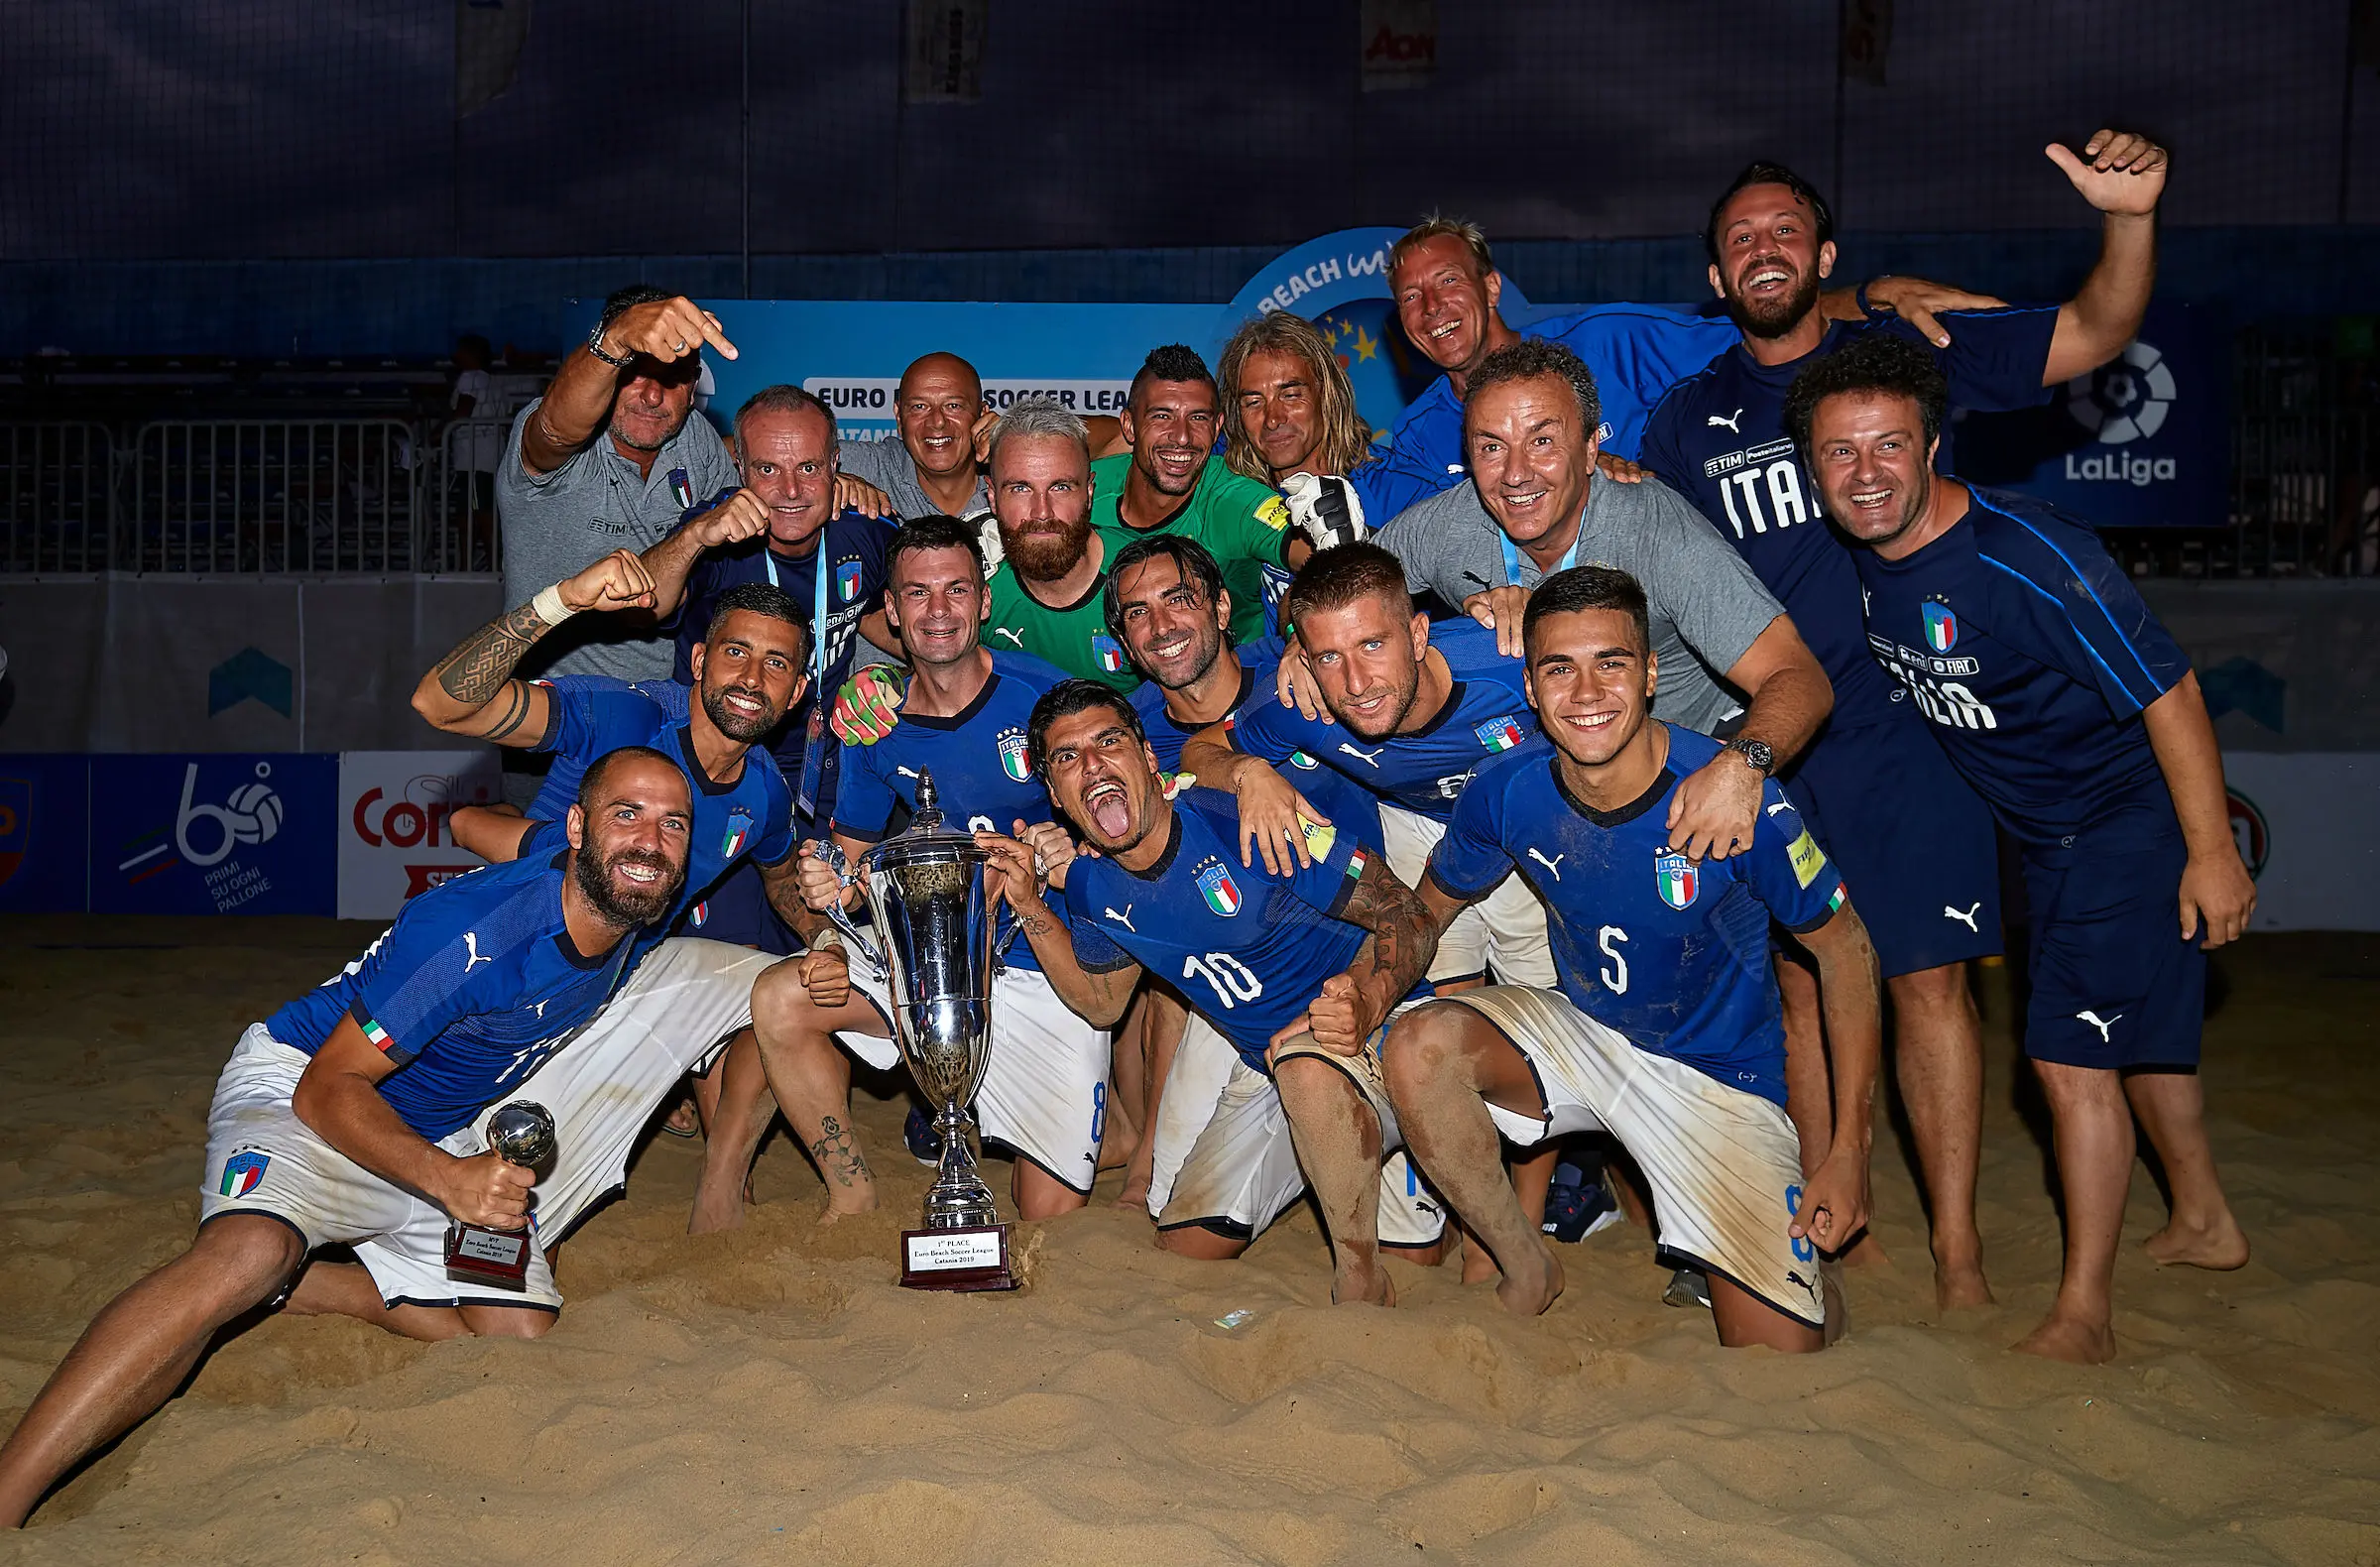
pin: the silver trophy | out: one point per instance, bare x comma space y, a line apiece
521, 1133
939, 950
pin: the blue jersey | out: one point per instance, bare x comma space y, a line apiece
1350, 809
750, 818
1425, 771
1248, 949
1671, 952
1637, 352
2034, 656
475, 985
983, 776
1719, 439
853, 561
595, 694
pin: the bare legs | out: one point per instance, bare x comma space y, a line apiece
1338, 1141
2200, 1232
810, 1077
735, 1118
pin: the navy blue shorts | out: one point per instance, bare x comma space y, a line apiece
737, 911
1914, 845
2114, 985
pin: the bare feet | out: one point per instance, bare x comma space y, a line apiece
1136, 1191
683, 1121
834, 1213
1368, 1286
710, 1215
2220, 1245
1532, 1285
1959, 1286
2064, 1339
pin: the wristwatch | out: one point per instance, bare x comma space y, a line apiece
1762, 759
595, 347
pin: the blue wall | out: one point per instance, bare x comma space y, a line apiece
416, 309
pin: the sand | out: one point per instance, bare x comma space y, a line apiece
772, 1395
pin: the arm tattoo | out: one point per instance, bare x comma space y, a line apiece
475, 672
513, 715
837, 1156
1404, 935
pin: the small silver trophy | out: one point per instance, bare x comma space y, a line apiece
937, 956
521, 1133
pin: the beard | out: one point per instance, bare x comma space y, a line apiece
626, 909
1392, 712
1045, 557
1777, 317
737, 726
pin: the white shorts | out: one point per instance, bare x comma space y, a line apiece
1045, 1088
1503, 932
682, 1002
1725, 1165
1224, 1157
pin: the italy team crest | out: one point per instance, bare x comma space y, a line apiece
1942, 627
1675, 875
1216, 886
1107, 651
739, 829
1499, 734
1013, 759
847, 580
242, 1171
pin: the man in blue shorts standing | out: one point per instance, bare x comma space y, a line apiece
1664, 1028
1298, 970
2062, 701
1910, 835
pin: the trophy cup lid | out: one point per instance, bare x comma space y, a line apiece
926, 829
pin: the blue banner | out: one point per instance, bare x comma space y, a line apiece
2142, 442
218, 834
44, 807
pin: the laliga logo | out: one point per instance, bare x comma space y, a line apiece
251, 815
2125, 399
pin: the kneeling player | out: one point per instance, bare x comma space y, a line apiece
356, 1115
1666, 1029
1298, 970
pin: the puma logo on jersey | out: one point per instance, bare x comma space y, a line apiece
1714, 422
2103, 1025
1969, 919
541, 1009
471, 947
906, 772
1369, 758
1783, 804
1015, 638
1125, 919
1554, 865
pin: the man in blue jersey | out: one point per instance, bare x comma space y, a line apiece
748, 671
1446, 287
963, 719
356, 1113
1298, 971
1411, 710
1167, 605
829, 562
1909, 833
2058, 697
1665, 1029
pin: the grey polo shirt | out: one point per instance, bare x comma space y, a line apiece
556, 525
1705, 604
887, 465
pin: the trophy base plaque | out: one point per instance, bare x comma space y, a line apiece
973, 1257
496, 1259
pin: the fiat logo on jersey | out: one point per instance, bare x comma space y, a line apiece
1675, 875
1216, 886
1942, 627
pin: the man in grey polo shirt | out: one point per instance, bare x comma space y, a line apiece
929, 467
610, 458
1534, 505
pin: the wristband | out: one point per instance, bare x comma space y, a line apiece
824, 940
549, 606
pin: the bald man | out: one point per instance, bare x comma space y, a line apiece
935, 467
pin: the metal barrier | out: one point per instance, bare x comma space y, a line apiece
264, 496
2305, 460
56, 497
459, 523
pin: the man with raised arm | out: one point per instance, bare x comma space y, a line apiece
357, 1115
1664, 1028
2056, 694
963, 719
1907, 830
748, 671
1299, 970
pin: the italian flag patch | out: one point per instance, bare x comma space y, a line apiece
1834, 902
1355, 865
375, 1033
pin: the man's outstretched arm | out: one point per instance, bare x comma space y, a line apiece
1835, 1201
2124, 177
471, 691
580, 400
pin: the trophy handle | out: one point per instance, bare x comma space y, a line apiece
830, 854
1003, 940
